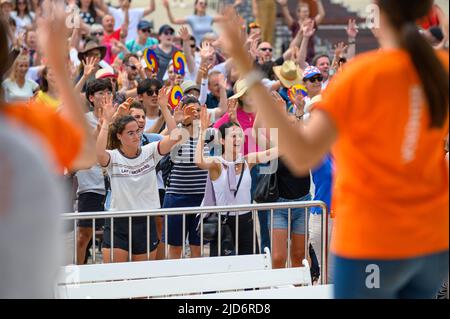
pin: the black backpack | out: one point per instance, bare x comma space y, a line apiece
165, 166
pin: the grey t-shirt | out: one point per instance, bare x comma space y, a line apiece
163, 60
91, 180
200, 25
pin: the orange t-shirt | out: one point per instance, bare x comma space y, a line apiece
391, 191
65, 139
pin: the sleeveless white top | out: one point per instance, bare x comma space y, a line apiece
221, 188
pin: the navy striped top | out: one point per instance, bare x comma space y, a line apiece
185, 177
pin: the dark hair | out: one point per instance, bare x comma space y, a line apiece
43, 83
12, 22
146, 85
318, 56
91, 8
434, 78
138, 105
97, 86
195, 4
223, 129
27, 9
436, 32
115, 128
189, 99
127, 57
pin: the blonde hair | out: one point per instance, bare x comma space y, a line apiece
20, 59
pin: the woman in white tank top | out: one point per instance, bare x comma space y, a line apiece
231, 179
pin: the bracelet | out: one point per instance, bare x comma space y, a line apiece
253, 77
351, 42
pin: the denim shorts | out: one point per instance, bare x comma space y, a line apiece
175, 222
280, 216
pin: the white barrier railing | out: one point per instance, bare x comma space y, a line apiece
254, 208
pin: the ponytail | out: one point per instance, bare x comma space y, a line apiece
433, 76
403, 16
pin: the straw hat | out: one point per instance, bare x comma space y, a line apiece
288, 74
240, 88
92, 45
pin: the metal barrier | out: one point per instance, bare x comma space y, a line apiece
253, 209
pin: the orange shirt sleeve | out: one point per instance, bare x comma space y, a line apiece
64, 138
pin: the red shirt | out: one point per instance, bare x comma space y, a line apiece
107, 39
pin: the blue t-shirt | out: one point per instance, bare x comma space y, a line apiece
200, 25
323, 180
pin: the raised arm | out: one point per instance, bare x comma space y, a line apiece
308, 32
53, 41
223, 103
352, 32
163, 101
151, 7
126, 23
170, 15
285, 11
302, 148
101, 5
321, 12
108, 111
205, 163
89, 67
185, 36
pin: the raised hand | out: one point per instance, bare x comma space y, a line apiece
233, 42
232, 110
204, 70
52, 34
89, 65
339, 49
308, 29
108, 109
205, 118
297, 100
184, 34
352, 29
124, 108
124, 79
163, 97
206, 51
178, 114
279, 101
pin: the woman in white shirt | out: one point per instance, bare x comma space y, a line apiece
17, 87
131, 168
23, 16
231, 179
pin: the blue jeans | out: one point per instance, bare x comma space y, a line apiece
415, 278
280, 216
262, 215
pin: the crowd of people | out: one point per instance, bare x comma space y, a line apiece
132, 116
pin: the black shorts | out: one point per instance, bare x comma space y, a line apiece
91, 202
138, 238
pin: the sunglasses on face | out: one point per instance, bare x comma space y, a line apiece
266, 49
168, 32
192, 46
146, 30
315, 79
202, 3
95, 34
152, 92
132, 67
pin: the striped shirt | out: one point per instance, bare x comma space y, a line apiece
185, 177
